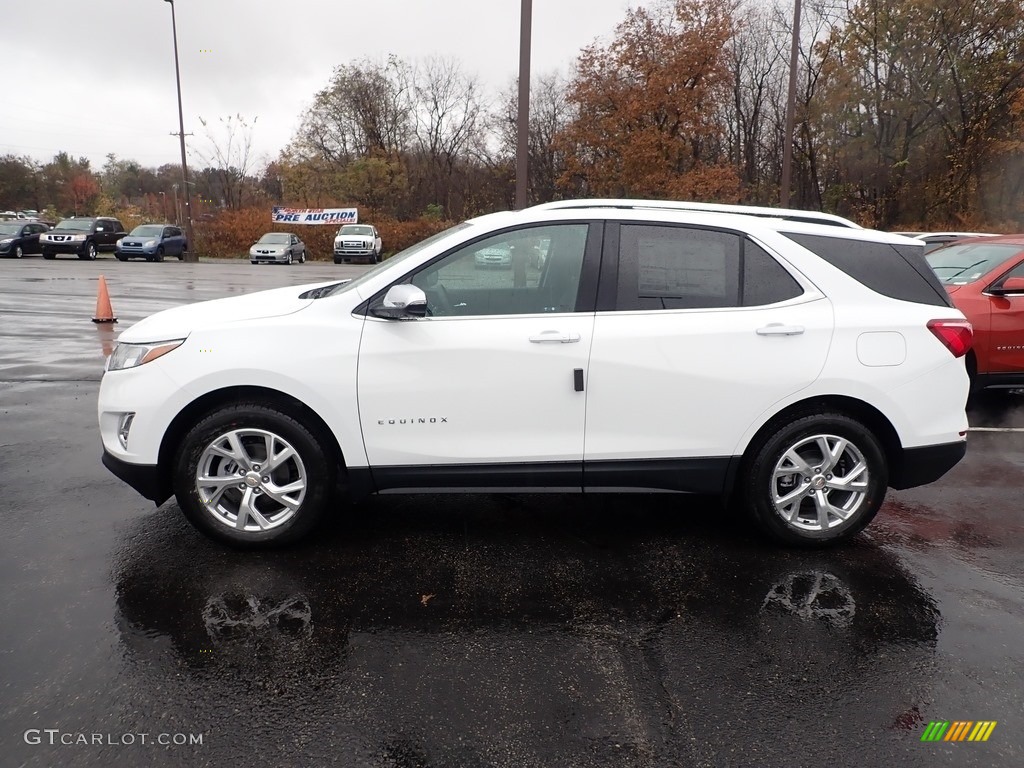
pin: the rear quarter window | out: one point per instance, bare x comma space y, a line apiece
897, 271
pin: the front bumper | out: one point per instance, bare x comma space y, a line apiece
352, 254
64, 246
135, 250
147, 479
270, 258
926, 464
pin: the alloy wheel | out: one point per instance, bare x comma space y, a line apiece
819, 482
251, 480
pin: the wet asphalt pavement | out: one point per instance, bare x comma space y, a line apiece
509, 630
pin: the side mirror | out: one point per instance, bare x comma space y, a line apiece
401, 302
1009, 286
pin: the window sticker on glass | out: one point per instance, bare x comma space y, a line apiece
677, 267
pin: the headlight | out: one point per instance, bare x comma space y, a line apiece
119, 241
77, 237
8, 241
132, 355
150, 243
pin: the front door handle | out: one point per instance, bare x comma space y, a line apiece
555, 337
778, 329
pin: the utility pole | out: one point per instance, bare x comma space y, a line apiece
191, 254
787, 141
523, 119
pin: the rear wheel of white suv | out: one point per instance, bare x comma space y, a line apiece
814, 479
252, 476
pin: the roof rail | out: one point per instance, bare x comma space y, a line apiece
787, 214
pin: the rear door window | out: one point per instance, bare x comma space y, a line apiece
674, 267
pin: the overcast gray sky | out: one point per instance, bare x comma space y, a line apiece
98, 76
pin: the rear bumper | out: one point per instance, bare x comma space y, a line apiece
144, 478
920, 466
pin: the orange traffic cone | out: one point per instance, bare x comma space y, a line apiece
104, 312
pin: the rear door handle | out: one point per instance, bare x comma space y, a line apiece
555, 337
778, 329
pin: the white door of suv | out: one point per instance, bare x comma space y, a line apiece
698, 333
493, 374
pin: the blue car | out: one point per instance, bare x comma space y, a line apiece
152, 242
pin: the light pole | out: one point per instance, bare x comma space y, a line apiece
190, 255
787, 141
523, 119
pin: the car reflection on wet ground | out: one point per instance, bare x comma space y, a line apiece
466, 630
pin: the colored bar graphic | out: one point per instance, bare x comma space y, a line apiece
958, 730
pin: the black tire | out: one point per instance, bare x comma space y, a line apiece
18, 252
160, 253
302, 258
757, 483
49, 256
254, 262
337, 261
120, 257
376, 257
90, 251
319, 468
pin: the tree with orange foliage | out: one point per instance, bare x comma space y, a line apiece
648, 107
80, 192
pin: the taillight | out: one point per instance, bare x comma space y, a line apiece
955, 335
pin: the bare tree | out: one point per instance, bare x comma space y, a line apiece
758, 64
448, 113
550, 113
366, 110
229, 153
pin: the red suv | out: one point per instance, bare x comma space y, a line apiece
985, 279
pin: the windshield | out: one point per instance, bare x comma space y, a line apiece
962, 264
274, 238
412, 250
148, 230
355, 229
83, 225
10, 229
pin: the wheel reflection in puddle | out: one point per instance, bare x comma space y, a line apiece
233, 616
813, 595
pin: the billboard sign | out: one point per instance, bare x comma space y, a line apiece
335, 216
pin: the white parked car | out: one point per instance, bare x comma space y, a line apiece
797, 368
357, 242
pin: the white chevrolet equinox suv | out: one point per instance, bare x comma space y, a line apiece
796, 366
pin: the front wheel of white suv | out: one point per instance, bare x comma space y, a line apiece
814, 479
252, 476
